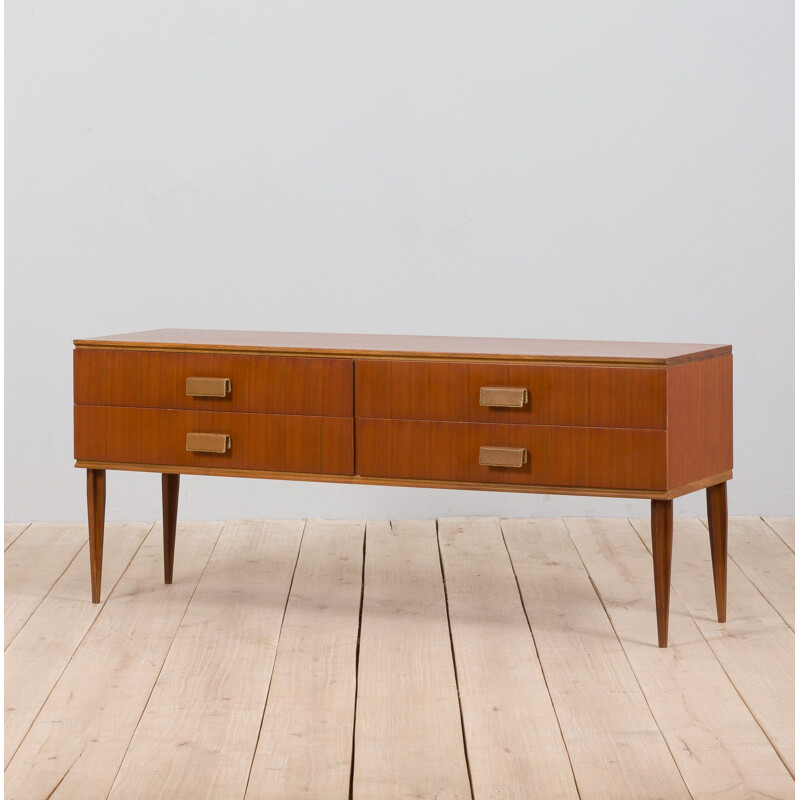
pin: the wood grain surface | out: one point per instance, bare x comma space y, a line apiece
613, 397
305, 745
784, 527
408, 728
720, 698
363, 345
718, 746
62, 619
448, 451
609, 458
189, 742
700, 411
755, 646
262, 384
763, 558
12, 531
28, 577
81, 734
516, 750
615, 746
292, 443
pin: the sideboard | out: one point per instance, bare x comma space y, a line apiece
614, 419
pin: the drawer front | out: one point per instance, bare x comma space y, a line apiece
449, 451
274, 442
597, 458
611, 397
608, 458
447, 391
259, 384
607, 397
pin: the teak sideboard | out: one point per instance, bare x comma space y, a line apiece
616, 419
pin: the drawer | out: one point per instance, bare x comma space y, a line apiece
612, 397
437, 390
597, 458
273, 442
448, 451
260, 384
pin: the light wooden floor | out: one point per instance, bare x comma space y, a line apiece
459, 658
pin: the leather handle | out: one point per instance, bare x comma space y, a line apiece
208, 387
503, 396
503, 457
208, 442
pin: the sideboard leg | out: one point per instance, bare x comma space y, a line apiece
169, 504
717, 503
661, 531
96, 501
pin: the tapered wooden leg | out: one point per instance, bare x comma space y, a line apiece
169, 504
661, 530
96, 501
717, 503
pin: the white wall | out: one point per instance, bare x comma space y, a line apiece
565, 169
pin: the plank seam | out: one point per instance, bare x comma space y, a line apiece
710, 644
750, 580
764, 520
358, 655
17, 536
33, 610
86, 633
453, 657
625, 653
275, 659
536, 651
164, 661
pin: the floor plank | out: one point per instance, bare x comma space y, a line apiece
616, 748
512, 735
197, 736
62, 620
80, 736
306, 740
408, 740
718, 746
720, 695
763, 557
753, 628
12, 532
784, 527
33, 563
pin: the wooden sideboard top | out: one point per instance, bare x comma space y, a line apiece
428, 347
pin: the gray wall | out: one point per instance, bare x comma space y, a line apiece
583, 169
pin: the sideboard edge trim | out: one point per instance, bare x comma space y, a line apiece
382, 355
358, 480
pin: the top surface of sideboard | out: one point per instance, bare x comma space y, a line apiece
656, 354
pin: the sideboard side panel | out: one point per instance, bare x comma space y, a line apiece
700, 419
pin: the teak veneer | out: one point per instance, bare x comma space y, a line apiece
615, 419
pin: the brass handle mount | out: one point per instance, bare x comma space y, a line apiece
208, 442
208, 387
503, 396
503, 457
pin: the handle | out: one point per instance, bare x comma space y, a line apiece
208, 387
503, 396
503, 457
208, 442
